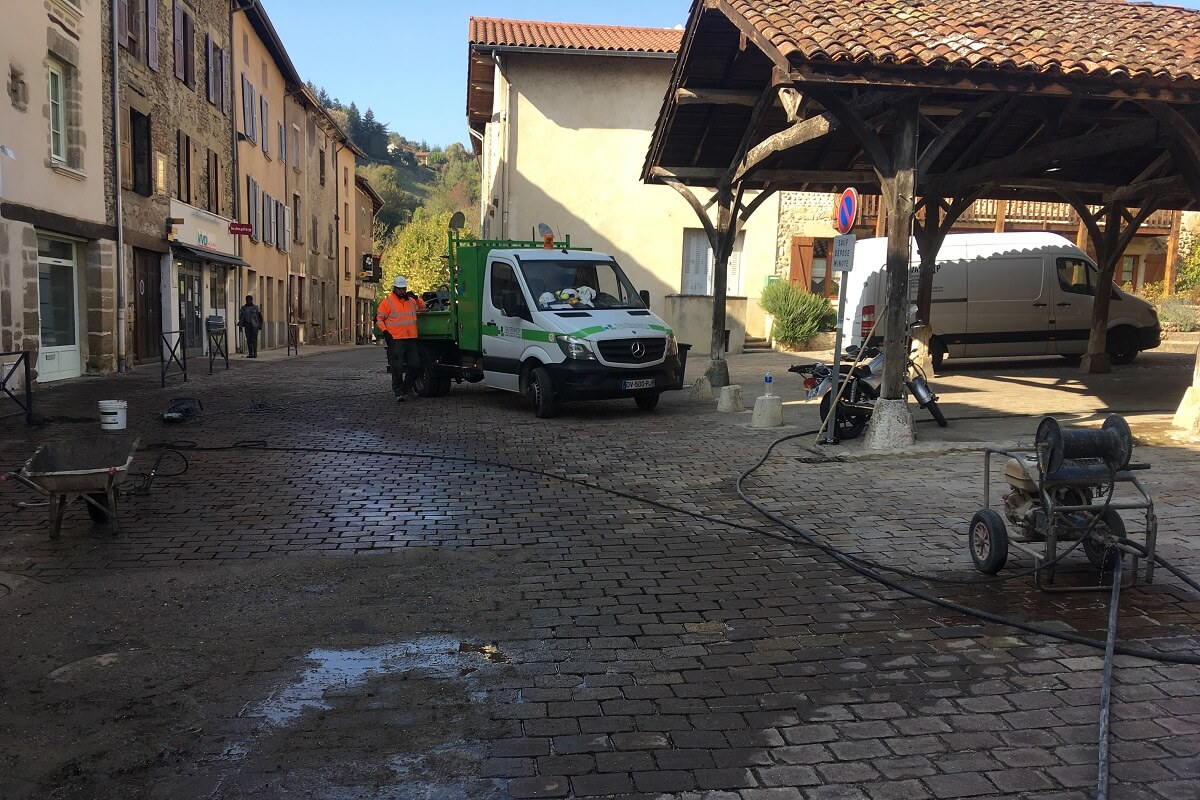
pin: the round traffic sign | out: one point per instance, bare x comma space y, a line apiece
845, 211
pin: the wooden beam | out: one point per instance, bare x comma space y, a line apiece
1183, 142
715, 97
852, 118
696, 175
1077, 147
972, 112
808, 130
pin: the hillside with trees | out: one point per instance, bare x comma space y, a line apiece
419, 199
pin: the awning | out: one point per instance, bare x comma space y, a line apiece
207, 255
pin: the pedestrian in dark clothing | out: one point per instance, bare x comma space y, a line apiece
250, 319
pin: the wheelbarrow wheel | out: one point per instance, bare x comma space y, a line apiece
988, 540
1105, 558
98, 509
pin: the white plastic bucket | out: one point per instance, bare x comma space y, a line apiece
112, 415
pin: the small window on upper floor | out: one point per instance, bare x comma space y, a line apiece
57, 84
322, 167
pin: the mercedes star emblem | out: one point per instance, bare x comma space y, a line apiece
638, 349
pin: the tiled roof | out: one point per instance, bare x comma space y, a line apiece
569, 36
1072, 37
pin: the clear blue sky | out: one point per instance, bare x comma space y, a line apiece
408, 60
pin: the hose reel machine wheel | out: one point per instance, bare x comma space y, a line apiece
1105, 558
988, 541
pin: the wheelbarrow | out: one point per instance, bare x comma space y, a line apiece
86, 467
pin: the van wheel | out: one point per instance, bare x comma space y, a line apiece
1122, 346
540, 390
646, 402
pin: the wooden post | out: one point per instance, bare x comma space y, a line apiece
1001, 215
718, 367
1172, 267
898, 187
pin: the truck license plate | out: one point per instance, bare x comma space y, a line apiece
641, 383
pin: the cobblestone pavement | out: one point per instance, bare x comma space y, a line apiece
343, 597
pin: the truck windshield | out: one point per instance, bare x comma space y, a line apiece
560, 285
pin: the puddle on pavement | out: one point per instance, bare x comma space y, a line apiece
338, 670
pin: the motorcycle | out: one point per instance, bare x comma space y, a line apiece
862, 390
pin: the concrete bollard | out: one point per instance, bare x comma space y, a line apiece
702, 388
768, 412
731, 399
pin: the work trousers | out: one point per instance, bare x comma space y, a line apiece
404, 361
251, 342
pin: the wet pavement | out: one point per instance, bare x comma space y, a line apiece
321, 593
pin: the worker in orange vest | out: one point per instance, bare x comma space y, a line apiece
397, 318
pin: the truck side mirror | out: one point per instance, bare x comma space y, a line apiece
645, 295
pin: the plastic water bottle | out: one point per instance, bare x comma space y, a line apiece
767, 384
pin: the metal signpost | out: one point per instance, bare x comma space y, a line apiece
845, 212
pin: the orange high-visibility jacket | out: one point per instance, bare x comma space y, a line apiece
398, 315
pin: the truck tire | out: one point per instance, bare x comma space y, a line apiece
540, 389
646, 402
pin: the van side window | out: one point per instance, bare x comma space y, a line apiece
1075, 276
503, 280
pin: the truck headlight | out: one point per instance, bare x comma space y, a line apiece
672, 345
575, 348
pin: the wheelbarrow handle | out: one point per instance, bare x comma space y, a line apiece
24, 481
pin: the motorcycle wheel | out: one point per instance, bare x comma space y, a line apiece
933, 409
849, 425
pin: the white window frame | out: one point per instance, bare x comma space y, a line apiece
696, 277
58, 111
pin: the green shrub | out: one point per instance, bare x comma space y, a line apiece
1150, 292
1178, 315
798, 315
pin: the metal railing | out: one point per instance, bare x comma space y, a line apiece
171, 353
22, 362
293, 343
218, 346
1041, 213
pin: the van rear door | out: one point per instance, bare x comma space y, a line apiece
1008, 306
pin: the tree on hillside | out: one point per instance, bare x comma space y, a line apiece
416, 252
398, 205
354, 120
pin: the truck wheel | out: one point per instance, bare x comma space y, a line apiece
646, 402
1122, 346
541, 393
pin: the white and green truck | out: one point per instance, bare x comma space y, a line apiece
549, 321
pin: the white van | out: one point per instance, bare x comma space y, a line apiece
1004, 294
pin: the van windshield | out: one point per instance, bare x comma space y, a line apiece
566, 284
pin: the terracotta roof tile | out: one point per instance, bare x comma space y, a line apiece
1074, 37
570, 36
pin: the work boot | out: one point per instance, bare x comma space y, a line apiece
399, 398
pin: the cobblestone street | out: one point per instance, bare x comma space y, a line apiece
332, 595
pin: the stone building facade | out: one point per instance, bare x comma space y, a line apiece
176, 172
367, 205
57, 289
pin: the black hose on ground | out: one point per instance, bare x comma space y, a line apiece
1106, 684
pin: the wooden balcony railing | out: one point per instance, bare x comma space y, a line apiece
1023, 213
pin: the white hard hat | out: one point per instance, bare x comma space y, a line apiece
401, 282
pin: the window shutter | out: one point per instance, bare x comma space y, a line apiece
253, 114
177, 31
226, 82
210, 63
126, 151
189, 50
152, 34
733, 272
123, 23
697, 261
287, 229
245, 105
266, 147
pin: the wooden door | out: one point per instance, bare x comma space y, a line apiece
147, 304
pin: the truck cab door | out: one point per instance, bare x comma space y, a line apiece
504, 319
1075, 291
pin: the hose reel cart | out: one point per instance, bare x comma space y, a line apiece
1065, 490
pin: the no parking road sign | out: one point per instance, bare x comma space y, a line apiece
845, 211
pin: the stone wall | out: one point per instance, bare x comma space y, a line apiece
801, 214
